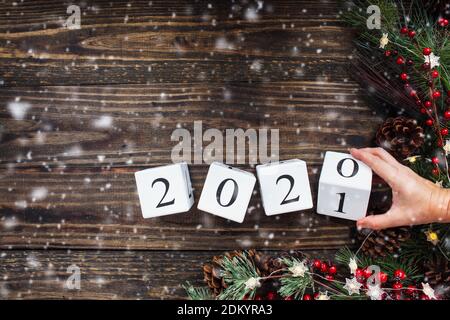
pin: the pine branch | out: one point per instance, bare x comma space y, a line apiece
294, 286
197, 293
238, 271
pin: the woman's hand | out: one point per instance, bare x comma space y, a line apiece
415, 200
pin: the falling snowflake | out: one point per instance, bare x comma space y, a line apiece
104, 122
18, 110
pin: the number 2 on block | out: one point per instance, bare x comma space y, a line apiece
291, 181
167, 185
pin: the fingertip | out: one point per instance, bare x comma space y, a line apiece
361, 224
354, 152
370, 222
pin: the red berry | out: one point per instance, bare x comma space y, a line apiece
400, 274
434, 73
317, 263
429, 122
403, 76
443, 22
426, 66
332, 270
271, 295
444, 131
383, 277
413, 93
424, 297
426, 51
387, 53
367, 273
439, 143
307, 297
436, 94
289, 298
404, 30
358, 273
447, 115
435, 160
427, 104
329, 277
411, 290
258, 297
412, 34
397, 286
423, 110
397, 296
323, 267
435, 171
400, 60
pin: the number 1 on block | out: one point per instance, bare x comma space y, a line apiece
344, 187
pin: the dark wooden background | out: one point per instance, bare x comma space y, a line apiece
149, 67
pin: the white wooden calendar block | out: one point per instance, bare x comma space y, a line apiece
284, 186
226, 192
164, 190
344, 187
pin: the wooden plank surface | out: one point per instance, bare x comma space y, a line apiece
172, 41
42, 274
101, 102
86, 172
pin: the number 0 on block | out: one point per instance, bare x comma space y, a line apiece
227, 192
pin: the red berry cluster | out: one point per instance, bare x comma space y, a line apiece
443, 22
327, 270
428, 106
362, 275
394, 287
409, 293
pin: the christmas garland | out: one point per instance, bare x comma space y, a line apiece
247, 275
405, 68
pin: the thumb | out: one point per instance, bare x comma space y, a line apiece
389, 219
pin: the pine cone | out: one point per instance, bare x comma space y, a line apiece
213, 272
383, 242
437, 272
400, 136
267, 264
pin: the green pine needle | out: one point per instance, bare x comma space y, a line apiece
197, 293
294, 286
237, 271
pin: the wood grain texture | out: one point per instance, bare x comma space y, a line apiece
101, 103
172, 42
91, 201
104, 274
